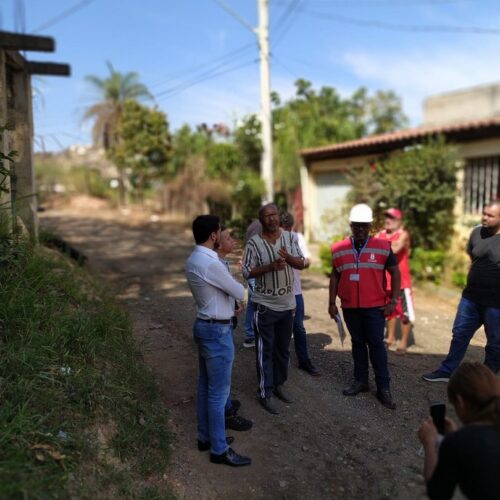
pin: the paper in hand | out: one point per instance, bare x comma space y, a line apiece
341, 328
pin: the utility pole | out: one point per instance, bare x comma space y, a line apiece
266, 162
262, 32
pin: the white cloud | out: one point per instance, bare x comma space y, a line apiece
418, 74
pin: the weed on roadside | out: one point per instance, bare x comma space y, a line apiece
80, 414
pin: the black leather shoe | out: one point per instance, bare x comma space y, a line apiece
267, 404
237, 423
385, 397
205, 445
355, 388
278, 392
235, 406
230, 458
309, 368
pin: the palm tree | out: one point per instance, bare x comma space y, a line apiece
114, 91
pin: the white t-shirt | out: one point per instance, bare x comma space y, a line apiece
301, 242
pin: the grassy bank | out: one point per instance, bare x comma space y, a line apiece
80, 415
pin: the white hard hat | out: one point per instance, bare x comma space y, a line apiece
361, 213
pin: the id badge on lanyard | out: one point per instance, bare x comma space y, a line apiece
357, 256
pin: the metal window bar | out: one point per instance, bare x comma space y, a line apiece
481, 183
495, 187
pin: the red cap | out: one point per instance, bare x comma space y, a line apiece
394, 213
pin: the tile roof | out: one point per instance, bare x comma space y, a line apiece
400, 138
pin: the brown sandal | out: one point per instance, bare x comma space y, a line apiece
400, 352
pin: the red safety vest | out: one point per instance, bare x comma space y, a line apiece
368, 289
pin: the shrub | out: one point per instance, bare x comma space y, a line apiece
325, 256
421, 181
459, 279
427, 265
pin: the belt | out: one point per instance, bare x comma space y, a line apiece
219, 321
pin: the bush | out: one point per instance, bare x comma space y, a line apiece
421, 181
427, 265
325, 256
459, 279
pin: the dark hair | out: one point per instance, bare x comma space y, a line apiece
286, 219
204, 226
480, 390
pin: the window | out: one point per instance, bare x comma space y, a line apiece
481, 183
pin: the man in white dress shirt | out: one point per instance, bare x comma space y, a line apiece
214, 291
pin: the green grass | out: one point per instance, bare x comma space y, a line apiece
80, 414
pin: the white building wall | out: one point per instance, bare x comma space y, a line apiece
475, 103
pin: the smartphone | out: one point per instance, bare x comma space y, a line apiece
438, 412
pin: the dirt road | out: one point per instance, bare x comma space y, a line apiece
324, 445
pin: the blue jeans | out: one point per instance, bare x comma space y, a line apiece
215, 355
250, 311
366, 326
470, 316
299, 332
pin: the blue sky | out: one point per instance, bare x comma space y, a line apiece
415, 47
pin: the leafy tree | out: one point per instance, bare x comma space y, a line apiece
187, 143
113, 91
143, 143
421, 181
314, 118
224, 160
247, 139
384, 113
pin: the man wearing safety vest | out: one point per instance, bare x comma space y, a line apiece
358, 278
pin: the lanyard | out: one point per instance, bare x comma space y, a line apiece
357, 256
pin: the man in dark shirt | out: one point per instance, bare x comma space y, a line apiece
480, 303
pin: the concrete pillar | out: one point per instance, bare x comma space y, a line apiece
4, 198
26, 204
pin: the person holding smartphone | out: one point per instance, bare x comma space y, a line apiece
470, 456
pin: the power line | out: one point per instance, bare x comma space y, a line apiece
195, 79
180, 88
235, 15
226, 57
63, 15
285, 67
375, 3
288, 14
402, 27
290, 8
